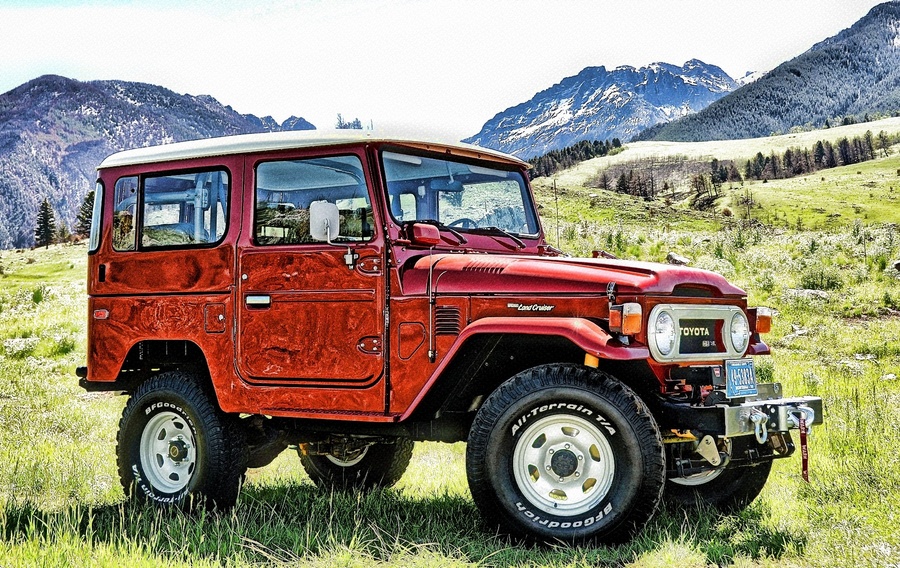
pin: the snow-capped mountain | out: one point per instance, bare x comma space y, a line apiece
598, 104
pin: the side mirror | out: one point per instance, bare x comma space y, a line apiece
324, 221
424, 235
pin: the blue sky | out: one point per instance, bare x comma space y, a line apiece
440, 68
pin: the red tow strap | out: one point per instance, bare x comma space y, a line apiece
804, 448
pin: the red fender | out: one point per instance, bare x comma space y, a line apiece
587, 335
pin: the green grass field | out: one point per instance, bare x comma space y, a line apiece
61, 503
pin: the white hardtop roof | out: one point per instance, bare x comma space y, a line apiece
270, 141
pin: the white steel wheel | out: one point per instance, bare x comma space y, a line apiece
168, 452
697, 479
563, 465
348, 459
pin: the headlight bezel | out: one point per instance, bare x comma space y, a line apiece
723, 314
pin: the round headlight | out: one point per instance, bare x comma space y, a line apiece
664, 333
740, 331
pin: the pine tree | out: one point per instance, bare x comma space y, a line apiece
62, 233
85, 214
46, 226
341, 124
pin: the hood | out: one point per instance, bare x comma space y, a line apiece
508, 274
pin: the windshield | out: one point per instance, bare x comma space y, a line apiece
457, 194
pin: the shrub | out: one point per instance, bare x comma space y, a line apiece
821, 278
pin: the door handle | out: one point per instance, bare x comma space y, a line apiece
258, 301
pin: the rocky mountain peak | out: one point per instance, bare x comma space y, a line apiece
598, 104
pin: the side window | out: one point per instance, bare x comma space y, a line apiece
124, 219
96, 219
285, 189
175, 210
184, 209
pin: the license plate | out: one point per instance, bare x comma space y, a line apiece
740, 378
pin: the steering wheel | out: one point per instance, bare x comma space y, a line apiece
463, 222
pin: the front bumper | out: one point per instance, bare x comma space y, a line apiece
741, 417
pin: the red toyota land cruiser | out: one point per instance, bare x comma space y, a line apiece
348, 294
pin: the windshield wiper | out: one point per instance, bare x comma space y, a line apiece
459, 236
496, 231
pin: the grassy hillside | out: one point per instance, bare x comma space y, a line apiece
61, 504
738, 150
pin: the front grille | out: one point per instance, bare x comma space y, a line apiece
447, 320
700, 336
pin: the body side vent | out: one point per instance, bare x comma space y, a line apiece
447, 320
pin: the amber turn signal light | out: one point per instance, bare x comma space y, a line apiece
626, 318
763, 320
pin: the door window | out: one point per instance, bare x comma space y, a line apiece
286, 188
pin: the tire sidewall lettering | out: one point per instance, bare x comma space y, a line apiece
525, 418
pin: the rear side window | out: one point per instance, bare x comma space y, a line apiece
286, 188
96, 215
124, 218
173, 210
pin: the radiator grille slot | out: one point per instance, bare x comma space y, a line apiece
446, 320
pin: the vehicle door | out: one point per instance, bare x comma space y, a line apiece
310, 314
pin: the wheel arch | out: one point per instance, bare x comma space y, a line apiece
148, 357
491, 350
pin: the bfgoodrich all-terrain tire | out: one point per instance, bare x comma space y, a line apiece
175, 447
568, 453
378, 465
729, 489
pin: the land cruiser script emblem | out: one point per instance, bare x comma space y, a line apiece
530, 307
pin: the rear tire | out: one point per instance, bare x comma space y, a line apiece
377, 465
565, 453
176, 448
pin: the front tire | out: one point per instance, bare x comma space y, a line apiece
377, 465
175, 448
727, 490
568, 453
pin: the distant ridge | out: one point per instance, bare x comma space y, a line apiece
853, 73
54, 132
598, 104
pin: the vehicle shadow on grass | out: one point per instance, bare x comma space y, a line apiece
297, 522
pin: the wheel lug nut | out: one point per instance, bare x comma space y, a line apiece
550, 452
567, 446
562, 479
577, 474
548, 468
580, 458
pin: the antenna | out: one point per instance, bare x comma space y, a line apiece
556, 196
